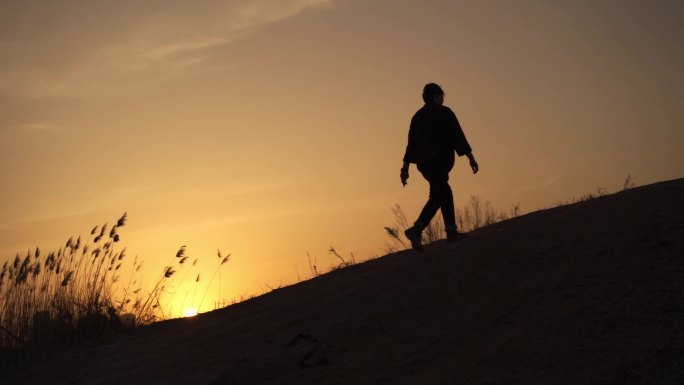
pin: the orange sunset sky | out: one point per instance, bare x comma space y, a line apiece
273, 128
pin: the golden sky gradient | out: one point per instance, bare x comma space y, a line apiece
273, 128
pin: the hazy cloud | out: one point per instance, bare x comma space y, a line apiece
10, 132
539, 185
37, 127
74, 208
65, 49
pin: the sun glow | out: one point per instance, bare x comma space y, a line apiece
190, 312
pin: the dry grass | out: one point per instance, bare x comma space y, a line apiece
63, 295
470, 217
50, 300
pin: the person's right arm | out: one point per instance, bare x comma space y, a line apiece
410, 154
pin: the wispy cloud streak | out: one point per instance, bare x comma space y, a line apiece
115, 45
539, 185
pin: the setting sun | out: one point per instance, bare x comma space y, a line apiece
190, 312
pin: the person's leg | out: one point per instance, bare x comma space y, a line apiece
440, 184
435, 199
440, 198
446, 201
414, 233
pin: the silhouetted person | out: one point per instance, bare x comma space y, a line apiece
434, 136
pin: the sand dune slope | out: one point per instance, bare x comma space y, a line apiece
590, 293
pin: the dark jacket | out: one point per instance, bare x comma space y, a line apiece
434, 136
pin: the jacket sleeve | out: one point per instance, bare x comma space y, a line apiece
461, 145
411, 149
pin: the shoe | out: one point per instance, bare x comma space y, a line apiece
414, 235
454, 235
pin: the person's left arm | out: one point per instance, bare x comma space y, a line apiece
461, 145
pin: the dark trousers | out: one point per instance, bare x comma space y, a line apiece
440, 198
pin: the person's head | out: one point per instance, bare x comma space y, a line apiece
433, 93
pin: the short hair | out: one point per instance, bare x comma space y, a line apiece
430, 90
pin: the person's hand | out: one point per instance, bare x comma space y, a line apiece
474, 165
404, 175
473, 162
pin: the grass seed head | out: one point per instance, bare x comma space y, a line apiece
181, 252
169, 271
36, 269
122, 220
67, 278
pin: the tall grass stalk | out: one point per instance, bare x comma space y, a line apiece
222, 260
71, 294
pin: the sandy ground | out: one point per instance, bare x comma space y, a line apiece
590, 293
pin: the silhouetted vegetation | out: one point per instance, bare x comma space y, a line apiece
50, 300
470, 217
